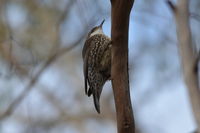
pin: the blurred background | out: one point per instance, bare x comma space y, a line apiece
32, 30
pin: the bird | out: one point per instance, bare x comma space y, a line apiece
96, 56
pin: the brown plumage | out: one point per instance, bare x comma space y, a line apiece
97, 63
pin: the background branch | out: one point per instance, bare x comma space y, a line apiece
53, 57
30, 85
187, 54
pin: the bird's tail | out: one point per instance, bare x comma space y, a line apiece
96, 102
96, 98
96, 89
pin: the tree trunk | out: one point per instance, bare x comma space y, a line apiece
119, 71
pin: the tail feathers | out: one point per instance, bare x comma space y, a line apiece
96, 98
96, 83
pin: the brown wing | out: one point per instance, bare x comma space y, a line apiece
85, 63
85, 55
86, 47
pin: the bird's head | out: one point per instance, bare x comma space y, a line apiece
96, 30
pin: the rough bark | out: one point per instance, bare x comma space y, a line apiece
187, 54
120, 78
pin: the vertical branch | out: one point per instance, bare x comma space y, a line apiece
60, 20
9, 33
120, 78
188, 57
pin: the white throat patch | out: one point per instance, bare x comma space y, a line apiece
99, 31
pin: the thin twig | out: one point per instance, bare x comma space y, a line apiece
9, 33
195, 16
60, 20
65, 13
171, 5
30, 85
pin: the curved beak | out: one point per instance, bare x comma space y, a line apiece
102, 23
